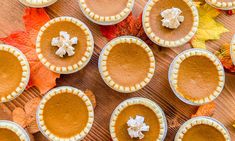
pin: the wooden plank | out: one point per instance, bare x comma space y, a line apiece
158, 90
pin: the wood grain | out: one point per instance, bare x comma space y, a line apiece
158, 89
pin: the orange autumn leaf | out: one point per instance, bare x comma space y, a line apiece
40, 76
224, 55
31, 108
33, 127
19, 116
91, 96
205, 110
130, 26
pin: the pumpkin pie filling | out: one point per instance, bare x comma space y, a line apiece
203, 132
64, 45
48, 50
155, 20
202, 129
129, 57
140, 110
8, 135
10, 73
197, 77
138, 119
129, 61
65, 115
170, 23
112, 7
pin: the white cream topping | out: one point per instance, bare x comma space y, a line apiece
136, 127
65, 44
172, 18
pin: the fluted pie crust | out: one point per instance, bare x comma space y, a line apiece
174, 69
232, 49
17, 129
166, 43
25, 71
142, 101
198, 121
37, 3
85, 58
106, 20
55, 92
225, 5
103, 64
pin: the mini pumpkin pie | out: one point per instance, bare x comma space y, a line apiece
14, 72
222, 4
64, 45
10, 131
65, 113
126, 64
37, 3
196, 76
115, 10
202, 129
138, 119
232, 49
170, 23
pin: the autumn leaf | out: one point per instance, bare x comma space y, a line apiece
224, 55
205, 110
130, 26
91, 96
19, 116
27, 117
40, 76
209, 28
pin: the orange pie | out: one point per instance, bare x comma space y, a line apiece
222, 4
130, 58
115, 10
196, 76
147, 115
10, 131
65, 113
167, 37
202, 129
232, 49
64, 45
14, 72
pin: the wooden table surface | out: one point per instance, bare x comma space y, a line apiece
158, 89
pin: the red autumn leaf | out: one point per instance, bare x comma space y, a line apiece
224, 55
40, 76
130, 26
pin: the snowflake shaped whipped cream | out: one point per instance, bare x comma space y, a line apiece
65, 44
172, 18
136, 127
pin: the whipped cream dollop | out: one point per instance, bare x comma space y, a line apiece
65, 44
136, 127
172, 18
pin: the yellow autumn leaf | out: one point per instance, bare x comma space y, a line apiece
209, 28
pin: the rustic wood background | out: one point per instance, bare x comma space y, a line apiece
158, 90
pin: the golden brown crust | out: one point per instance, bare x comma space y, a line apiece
103, 64
198, 121
106, 20
19, 131
158, 40
57, 91
37, 3
224, 5
25, 71
71, 68
148, 103
173, 75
